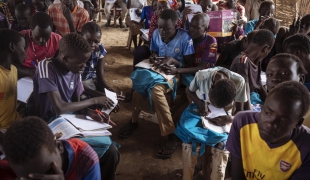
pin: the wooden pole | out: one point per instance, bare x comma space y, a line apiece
100, 13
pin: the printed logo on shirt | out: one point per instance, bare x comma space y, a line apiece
177, 50
71, 85
190, 42
256, 174
285, 166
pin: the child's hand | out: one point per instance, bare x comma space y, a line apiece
170, 70
202, 109
101, 117
221, 120
294, 27
152, 58
58, 174
104, 101
66, 12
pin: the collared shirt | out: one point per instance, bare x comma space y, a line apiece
205, 51
79, 16
146, 15
250, 26
91, 64
180, 46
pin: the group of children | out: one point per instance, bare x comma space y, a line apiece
61, 51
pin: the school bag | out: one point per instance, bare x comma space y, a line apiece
143, 80
190, 130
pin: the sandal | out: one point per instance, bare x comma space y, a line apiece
127, 129
166, 152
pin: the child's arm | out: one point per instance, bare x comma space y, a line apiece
222, 58
101, 82
61, 107
198, 102
23, 71
237, 168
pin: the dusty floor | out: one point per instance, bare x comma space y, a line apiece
137, 152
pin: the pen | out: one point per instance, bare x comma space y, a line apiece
34, 64
109, 120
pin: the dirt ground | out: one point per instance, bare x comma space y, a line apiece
137, 152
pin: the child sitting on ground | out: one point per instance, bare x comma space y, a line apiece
42, 43
259, 137
233, 49
220, 87
22, 21
247, 64
49, 158
12, 50
93, 74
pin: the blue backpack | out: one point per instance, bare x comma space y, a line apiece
190, 130
143, 80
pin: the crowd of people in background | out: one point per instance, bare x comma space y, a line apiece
58, 45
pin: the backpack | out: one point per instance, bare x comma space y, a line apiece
190, 130
143, 80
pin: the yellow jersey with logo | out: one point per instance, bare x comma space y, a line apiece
8, 96
264, 161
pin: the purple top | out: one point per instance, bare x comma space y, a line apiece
48, 78
289, 159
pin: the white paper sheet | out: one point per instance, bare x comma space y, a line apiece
215, 112
147, 65
133, 15
83, 123
263, 78
145, 34
24, 89
219, 129
113, 97
196, 8
96, 133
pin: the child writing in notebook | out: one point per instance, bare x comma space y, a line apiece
220, 87
57, 89
12, 50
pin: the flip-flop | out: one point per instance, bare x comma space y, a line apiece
172, 150
127, 129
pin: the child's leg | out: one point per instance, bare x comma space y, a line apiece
219, 163
109, 162
189, 161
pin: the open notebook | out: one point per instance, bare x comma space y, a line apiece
215, 112
147, 65
69, 130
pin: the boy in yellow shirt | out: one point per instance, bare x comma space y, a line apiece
12, 50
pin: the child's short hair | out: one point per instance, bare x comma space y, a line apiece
8, 36
22, 8
91, 27
169, 14
298, 42
273, 25
223, 92
294, 90
263, 37
72, 43
41, 19
300, 65
24, 139
250, 35
267, 3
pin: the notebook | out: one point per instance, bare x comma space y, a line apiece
85, 123
67, 130
215, 112
147, 65
113, 97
